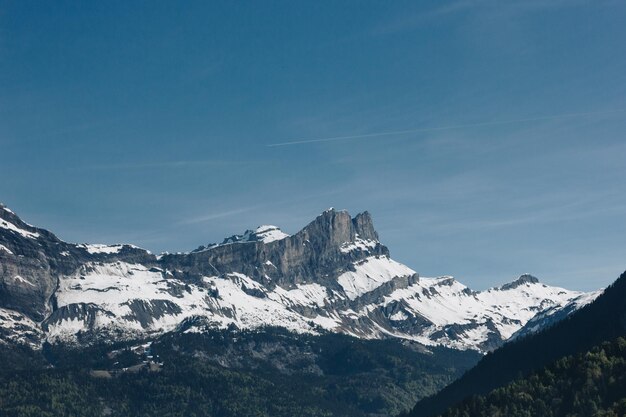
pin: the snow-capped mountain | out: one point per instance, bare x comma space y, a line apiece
333, 275
265, 234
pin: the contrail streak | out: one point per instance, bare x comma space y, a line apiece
433, 129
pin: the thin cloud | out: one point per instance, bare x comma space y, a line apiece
288, 205
218, 215
440, 128
154, 165
502, 9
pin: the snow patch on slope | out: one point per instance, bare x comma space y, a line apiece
461, 318
17, 328
553, 314
447, 312
268, 233
370, 274
106, 249
5, 208
358, 245
235, 299
5, 249
10, 226
114, 287
249, 311
313, 295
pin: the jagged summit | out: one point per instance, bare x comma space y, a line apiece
522, 280
265, 234
338, 227
333, 275
334, 227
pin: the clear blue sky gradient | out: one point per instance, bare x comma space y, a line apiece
149, 123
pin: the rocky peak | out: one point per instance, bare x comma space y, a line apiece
364, 226
332, 226
522, 280
11, 223
336, 227
265, 234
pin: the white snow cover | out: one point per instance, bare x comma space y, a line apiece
112, 286
265, 234
10, 226
252, 312
245, 302
4, 248
6, 209
304, 295
99, 248
358, 244
18, 328
534, 324
586, 298
444, 301
370, 274
19, 279
268, 233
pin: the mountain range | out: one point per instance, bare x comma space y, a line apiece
319, 323
334, 276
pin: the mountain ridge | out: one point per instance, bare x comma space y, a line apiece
332, 275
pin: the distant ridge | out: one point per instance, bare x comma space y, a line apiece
597, 322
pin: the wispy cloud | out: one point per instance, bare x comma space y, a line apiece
493, 8
214, 215
153, 165
302, 141
283, 205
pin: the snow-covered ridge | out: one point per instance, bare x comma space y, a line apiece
269, 233
358, 245
4, 224
121, 293
333, 275
5, 208
446, 302
265, 234
556, 313
107, 249
370, 274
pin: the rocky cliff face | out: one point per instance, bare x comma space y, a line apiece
333, 275
319, 253
32, 260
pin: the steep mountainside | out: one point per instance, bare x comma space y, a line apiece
592, 383
333, 275
600, 321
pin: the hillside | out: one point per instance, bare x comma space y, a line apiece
592, 383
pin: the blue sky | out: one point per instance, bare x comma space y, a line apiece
151, 122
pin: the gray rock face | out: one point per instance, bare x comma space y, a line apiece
29, 264
311, 255
33, 259
523, 279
